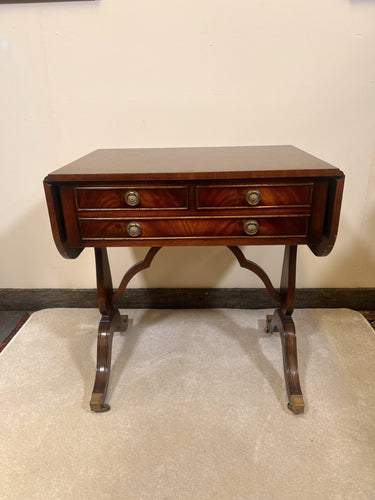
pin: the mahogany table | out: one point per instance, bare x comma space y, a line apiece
229, 196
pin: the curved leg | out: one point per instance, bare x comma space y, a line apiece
285, 326
111, 321
139, 266
108, 325
282, 322
252, 266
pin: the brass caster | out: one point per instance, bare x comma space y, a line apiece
124, 323
267, 327
96, 404
296, 404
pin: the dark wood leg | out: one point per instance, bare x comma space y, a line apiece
108, 325
111, 322
282, 322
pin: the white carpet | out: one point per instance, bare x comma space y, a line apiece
198, 409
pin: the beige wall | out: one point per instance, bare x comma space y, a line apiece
77, 76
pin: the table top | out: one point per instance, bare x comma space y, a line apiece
194, 163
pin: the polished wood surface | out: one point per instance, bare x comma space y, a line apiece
267, 195
194, 163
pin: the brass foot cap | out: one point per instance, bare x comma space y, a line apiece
268, 325
97, 405
124, 323
296, 403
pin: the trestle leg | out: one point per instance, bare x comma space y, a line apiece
282, 322
111, 321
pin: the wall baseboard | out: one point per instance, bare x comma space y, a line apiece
16, 299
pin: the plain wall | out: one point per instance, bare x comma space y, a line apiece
82, 75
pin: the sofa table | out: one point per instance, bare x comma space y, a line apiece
228, 196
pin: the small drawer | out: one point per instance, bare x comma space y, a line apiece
257, 195
122, 198
202, 227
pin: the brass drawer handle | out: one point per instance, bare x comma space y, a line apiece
132, 198
251, 227
253, 196
134, 229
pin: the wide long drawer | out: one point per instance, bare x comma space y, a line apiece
190, 227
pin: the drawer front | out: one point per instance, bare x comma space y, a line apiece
260, 227
257, 195
122, 198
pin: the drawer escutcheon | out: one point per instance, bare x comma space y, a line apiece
253, 196
132, 198
251, 227
134, 229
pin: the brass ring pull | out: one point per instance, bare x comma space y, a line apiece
132, 198
251, 227
253, 196
134, 229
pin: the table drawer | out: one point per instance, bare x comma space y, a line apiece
255, 195
268, 227
122, 198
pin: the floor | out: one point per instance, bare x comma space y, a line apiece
370, 316
10, 319
198, 415
8, 322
